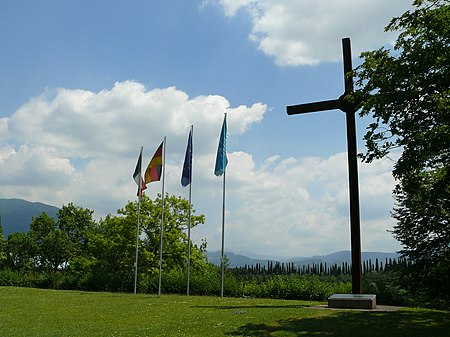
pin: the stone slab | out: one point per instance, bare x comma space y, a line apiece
379, 308
352, 301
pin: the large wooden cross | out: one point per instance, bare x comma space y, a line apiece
347, 105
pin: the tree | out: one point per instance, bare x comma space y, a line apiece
109, 265
51, 244
76, 222
53, 248
175, 225
20, 252
2, 245
407, 92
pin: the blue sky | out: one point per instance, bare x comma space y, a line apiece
83, 84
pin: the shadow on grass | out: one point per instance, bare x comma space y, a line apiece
350, 323
227, 307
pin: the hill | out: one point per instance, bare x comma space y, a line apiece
16, 214
343, 256
237, 260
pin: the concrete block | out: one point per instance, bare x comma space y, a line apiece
352, 301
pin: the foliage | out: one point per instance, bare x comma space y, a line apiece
407, 92
50, 244
424, 229
204, 281
109, 260
14, 278
388, 288
109, 264
20, 252
76, 223
295, 287
76, 252
2, 245
176, 217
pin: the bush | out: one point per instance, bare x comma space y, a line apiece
387, 286
295, 287
13, 278
205, 281
55, 280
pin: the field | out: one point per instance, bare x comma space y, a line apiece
37, 312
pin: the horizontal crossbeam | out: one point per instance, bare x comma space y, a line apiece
314, 107
347, 104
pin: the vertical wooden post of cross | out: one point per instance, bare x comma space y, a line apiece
347, 104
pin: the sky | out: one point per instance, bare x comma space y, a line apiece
84, 84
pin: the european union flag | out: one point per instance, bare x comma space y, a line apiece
186, 176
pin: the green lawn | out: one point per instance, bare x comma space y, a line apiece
37, 312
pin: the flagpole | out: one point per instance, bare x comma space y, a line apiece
219, 169
137, 225
189, 218
162, 216
137, 245
222, 258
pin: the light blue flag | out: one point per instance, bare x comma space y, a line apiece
221, 159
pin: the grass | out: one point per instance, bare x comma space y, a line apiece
37, 312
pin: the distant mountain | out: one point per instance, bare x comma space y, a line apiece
16, 214
237, 260
343, 256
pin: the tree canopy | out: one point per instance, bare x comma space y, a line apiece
111, 249
2, 244
407, 93
100, 255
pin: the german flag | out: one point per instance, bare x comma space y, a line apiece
154, 168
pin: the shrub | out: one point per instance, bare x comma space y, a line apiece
14, 278
387, 286
54, 280
295, 287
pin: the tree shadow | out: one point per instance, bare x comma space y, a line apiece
256, 306
351, 323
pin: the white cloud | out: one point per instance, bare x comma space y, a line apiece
3, 129
300, 206
34, 165
232, 6
302, 32
83, 123
81, 146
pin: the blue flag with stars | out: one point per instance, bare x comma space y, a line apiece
186, 175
